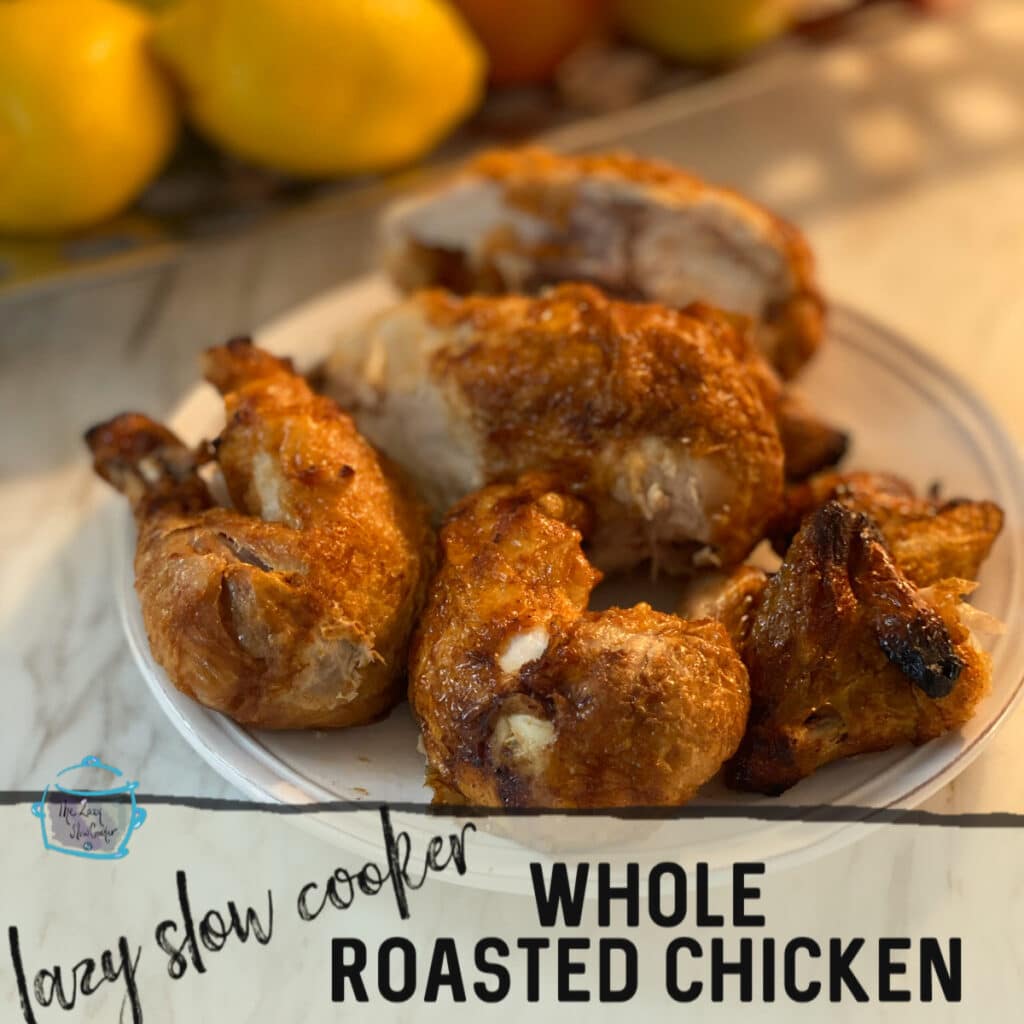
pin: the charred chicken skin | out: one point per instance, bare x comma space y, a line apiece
294, 608
652, 415
929, 539
845, 654
526, 699
520, 219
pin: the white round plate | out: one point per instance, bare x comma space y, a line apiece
906, 413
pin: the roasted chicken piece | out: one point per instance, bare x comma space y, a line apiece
294, 608
845, 654
651, 414
519, 219
526, 699
930, 539
810, 444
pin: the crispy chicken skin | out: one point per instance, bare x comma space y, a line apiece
929, 539
526, 699
730, 598
294, 608
810, 444
650, 414
519, 219
845, 654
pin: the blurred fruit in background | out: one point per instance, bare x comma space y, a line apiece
526, 40
86, 118
704, 31
323, 87
291, 91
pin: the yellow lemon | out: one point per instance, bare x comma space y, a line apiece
86, 117
704, 31
323, 87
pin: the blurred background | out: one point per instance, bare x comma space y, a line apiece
131, 128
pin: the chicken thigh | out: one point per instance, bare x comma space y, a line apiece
653, 415
294, 608
526, 699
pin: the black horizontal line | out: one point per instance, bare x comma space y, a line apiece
811, 813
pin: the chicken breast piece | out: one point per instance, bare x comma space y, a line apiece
519, 219
526, 699
294, 608
930, 539
845, 654
651, 414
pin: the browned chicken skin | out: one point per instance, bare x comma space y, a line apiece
294, 609
526, 699
810, 444
845, 654
520, 219
929, 539
653, 415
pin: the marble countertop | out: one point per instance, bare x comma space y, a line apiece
902, 158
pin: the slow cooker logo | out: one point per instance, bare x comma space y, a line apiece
76, 822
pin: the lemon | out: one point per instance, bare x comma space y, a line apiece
704, 31
323, 87
86, 117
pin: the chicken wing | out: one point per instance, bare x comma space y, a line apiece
526, 699
845, 654
294, 608
929, 539
515, 220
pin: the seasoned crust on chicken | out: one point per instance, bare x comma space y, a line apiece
731, 598
810, 444
651, 414
293, 609
929, 539
519, 219
845, 654
526, 699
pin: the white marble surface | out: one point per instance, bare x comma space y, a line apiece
904, 162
